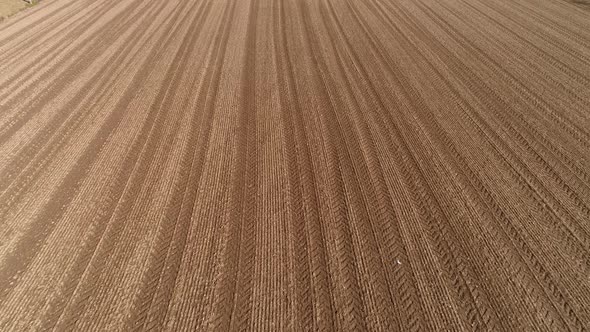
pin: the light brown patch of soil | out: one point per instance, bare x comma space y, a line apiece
9, 7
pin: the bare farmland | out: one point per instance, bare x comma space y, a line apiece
300, 165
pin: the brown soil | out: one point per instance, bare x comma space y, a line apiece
299, 165
9, 7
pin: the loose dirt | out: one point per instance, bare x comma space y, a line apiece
9, 7
298, 165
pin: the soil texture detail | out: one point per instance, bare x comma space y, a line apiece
295, 165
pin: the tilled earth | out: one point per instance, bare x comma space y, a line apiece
385, 165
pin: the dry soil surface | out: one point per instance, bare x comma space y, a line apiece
408, 165
9, 7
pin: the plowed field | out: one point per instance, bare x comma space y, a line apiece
303, 165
